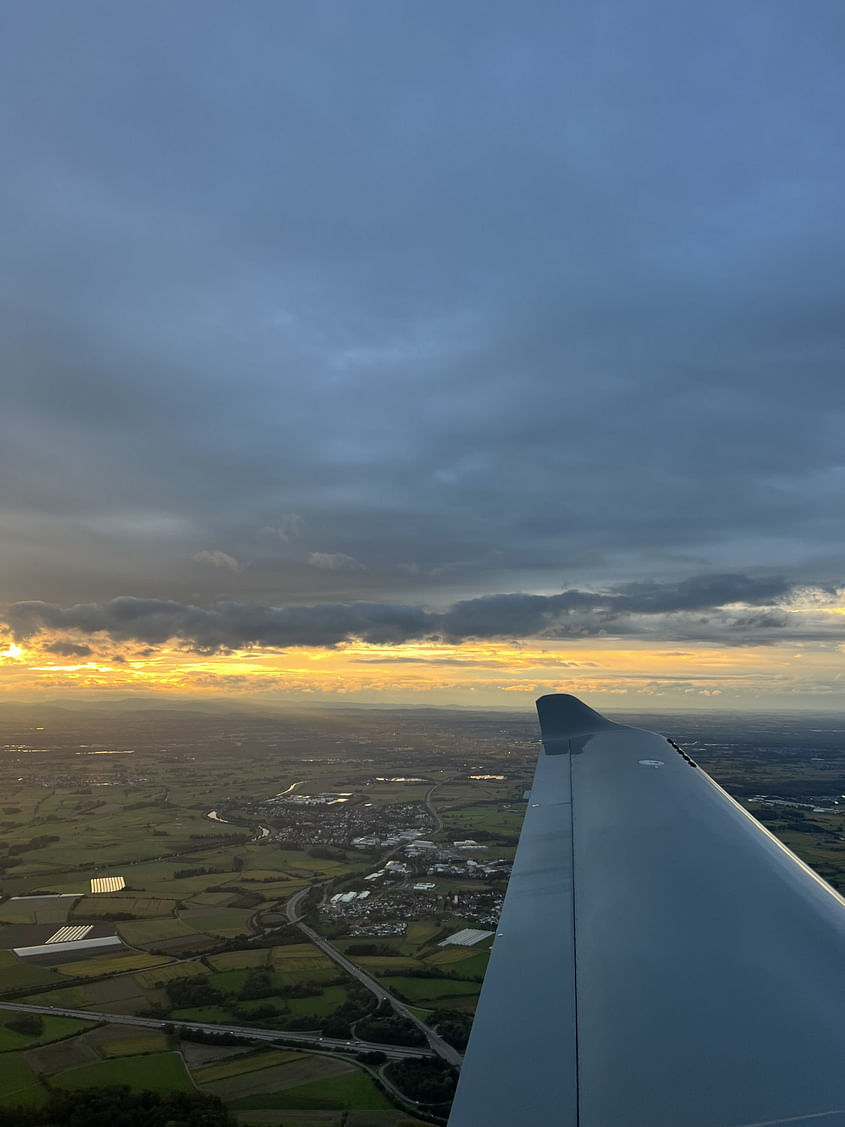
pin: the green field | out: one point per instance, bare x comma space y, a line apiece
69, 997
491, 818
241, 1065
52, 1029
474, 965
127, 1046
229, 960
158, 1072
17, 972
144, 816
98, 965
354, 1090
18, 1084
385, 964
229, 981
108, 903
140, 933
299, 957
149, 979
320, 1004
106, 993
47, 911
212, 1014
226, 922
306, 1068
429, 989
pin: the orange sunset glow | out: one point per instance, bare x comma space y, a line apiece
636, 675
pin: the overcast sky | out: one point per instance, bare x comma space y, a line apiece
337, 320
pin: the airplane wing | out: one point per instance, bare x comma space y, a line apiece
661, 959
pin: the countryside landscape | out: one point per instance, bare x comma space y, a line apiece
302, 905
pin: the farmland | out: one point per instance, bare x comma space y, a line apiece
155, 1072
201, 919
73, 1055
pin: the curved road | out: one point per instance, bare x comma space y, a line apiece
438, 1045
438, 821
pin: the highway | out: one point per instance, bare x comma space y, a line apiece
438, 821
308, 1040
442, 1048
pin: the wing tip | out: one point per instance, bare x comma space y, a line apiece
563, 715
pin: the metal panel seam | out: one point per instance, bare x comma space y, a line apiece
574, 941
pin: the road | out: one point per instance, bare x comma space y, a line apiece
438, 821
438, 1045
308, 1039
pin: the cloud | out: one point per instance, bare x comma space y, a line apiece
218, 559
69, 649
334, 561
587, 612
731, 609
288, 528
456, 322
227, 626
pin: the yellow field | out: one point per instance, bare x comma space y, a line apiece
212, 899
389, 964
240, 1065
451, 955
419, 931
147, 979
140, 932
107, 964
234, 960
226, 922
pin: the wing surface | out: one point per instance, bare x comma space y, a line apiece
661, 959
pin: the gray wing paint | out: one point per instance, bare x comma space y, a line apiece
661, 959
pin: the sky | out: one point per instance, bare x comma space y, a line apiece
423, 353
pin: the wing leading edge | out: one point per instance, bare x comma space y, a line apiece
661, 959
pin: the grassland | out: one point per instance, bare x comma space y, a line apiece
264, 1078
194, 884
277, 1076
352, 1090
252, 1062
149, 979
142, 933
46, 911
97, 907
419, 990
250, 958
18, 1082
227, 922
158, 1072
98, 965
130, 1046
15, 972
52, 1029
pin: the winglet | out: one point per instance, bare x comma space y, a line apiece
563, 717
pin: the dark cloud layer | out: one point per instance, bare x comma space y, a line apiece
722, 607
344, 306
